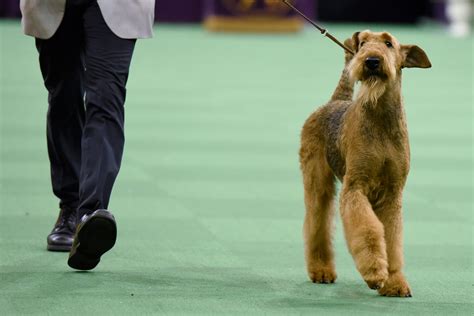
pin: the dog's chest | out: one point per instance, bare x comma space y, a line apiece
381, 158
384, 125
384, 181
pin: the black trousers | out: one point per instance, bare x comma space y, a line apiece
85, 69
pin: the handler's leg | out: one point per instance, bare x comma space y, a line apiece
62, 69
107, 59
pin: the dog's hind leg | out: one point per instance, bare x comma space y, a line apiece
319, 190
365, 235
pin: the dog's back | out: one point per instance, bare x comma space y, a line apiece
325, 124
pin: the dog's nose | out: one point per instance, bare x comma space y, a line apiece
372, 63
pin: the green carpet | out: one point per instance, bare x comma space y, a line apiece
209, 199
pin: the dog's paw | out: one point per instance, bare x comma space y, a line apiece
374, 272
396, 286
322, 275
376, 278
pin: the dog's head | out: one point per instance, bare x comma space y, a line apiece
379, 58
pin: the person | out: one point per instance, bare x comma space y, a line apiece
85, 48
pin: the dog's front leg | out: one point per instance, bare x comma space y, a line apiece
391, 217
365, 236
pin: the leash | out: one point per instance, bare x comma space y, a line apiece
323, 31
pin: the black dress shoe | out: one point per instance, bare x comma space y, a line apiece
95, 235
60, 238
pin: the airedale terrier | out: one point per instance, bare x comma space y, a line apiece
364, 143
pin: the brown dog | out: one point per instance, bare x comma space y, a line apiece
364, 143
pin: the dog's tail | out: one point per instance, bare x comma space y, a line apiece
345, 88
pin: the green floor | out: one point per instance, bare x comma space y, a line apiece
209, 199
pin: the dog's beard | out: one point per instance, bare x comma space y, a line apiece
371, 89
373, 85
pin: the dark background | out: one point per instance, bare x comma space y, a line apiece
388, 11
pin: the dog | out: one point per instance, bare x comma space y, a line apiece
363, 142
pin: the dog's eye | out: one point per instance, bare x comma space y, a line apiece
389, 44
362, 44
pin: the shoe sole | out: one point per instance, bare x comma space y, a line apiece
96, 237
59, 248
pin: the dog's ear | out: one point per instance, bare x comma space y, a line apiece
414, 57
353, 42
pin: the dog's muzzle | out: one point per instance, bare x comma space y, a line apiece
372, 63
